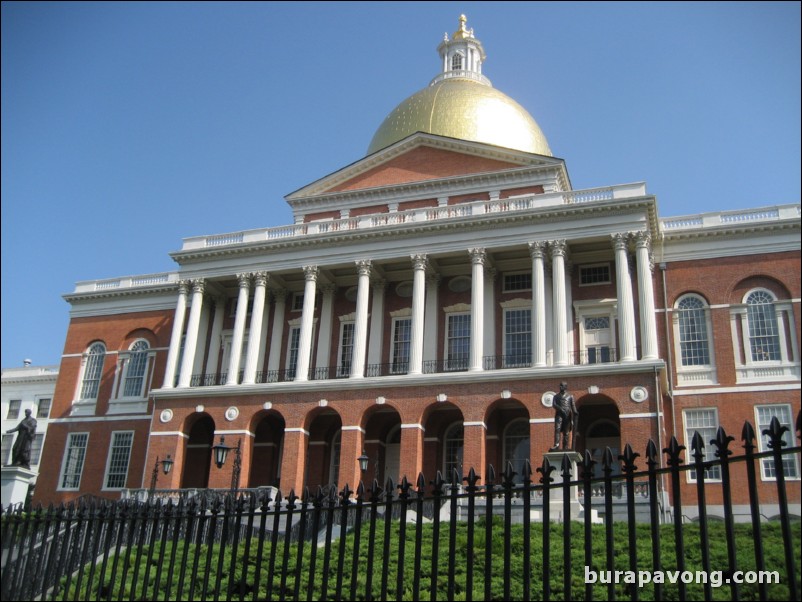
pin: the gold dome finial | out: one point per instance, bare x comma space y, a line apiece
462, 33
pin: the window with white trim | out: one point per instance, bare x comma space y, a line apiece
402, 336
36, 448
693, 343
14, 406
517, 282
292, 351
596, 321
458, 341
118, 459
73, 464
453, 443
43, 408
764, 337
93, 370
763, 416
456, 61
705, 422
136, 369
346, 353
590, 275
517, 337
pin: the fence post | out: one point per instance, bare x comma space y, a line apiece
674, 450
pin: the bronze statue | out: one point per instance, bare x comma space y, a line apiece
21, 452
566, 417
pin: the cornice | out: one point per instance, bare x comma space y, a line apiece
74, 298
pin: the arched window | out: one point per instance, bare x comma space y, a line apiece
136, 370
452, 451
516, 447
93, 369
694, 339
764, 338
456, 62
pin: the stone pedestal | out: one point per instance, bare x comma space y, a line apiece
556, 499
15, 481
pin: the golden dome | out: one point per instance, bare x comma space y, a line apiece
464, 109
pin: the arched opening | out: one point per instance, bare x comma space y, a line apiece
268, 447
198, 454
443, 444
599, 428
383, 445
323, 450
507, 437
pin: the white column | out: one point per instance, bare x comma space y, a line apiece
430, 318
536, 252
274, 357
175, 337
489, 325
191, 342
239, 329
263, 337
324, 332
307, 323
626, 308
569, 315
418, 305
557, 248
476, 358
214, 341
255, 332
203, 335
361, 323
648, 322
376, 337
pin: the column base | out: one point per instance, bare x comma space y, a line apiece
15, 483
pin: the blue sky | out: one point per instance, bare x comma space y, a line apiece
127, 127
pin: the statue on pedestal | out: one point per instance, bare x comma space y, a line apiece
566, 418
21, 452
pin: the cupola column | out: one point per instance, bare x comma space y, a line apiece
191, 342
239, 329
307, 323
558, 249
537, 252
419, 265
626, 308
648, 323
175, 337
361, 323
478, 259
255, 333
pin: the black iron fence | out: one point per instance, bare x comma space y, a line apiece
529, 536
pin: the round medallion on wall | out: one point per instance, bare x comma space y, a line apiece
232, 413
639, 394
547, 398
166, 415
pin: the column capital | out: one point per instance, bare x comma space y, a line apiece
537, 249
558, 248
643, 239
419, 261
379, 285
478, 255
198, 285
183, 286
310, 273
279, 294
620, 240
328, 289
244, 280
363, 267
260, 278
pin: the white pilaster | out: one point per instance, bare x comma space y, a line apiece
558, 249
478, 258
274, 357
191, 342
324, 332
648, 322
418, 304
215, 341
626, 308
430, 318
175, 337
239, 329
489, 326
361, 323
307, 323
376, 337
255, 332
536, 252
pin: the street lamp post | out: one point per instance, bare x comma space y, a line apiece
167, 466
221, 453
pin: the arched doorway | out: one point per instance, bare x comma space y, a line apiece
323, 450
443, 444
508, 437
599, 428
268, 447
198, 453
383, 445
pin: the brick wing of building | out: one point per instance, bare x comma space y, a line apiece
423, 309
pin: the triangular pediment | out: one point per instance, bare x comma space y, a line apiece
420, 158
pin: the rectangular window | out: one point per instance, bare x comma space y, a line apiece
764, 414
402, 335
517, 338
594, 274
13, 409
346, 349
43, 408
119, 455
36, 448
297, 302
704, 422
5, 454
517, 282
458, 342
292, 357
73, 464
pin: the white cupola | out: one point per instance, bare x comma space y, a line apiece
462, 55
